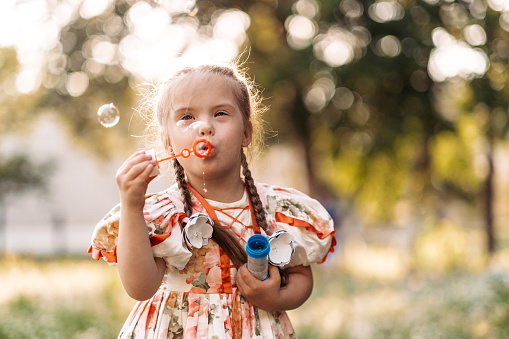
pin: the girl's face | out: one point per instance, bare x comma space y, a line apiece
204, 106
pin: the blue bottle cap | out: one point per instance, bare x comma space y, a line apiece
257, 246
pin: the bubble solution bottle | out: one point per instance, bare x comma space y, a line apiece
258, 249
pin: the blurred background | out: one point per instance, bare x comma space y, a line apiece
392, 113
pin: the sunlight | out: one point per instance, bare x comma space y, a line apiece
154, 43
301, 30
388, 46
147, 22
475, 35
452, 58
321, 92
92, 8
77, 84
383, 11
351, 8
499, 5
307, 8
28, 80
374, 262
104, 52
232, 25
336, 47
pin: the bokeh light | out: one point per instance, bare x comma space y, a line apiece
336, 47
388, 46
452, 58
475, 35
383, 11
301, 30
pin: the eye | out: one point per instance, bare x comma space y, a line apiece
186, 117
220, 113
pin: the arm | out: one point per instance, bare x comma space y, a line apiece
268, 295
140, 272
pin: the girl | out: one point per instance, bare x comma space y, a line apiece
206, 290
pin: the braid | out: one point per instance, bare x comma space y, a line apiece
259, 213
258, 209
223, 237
182, 184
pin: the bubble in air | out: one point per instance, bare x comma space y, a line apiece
190, 8
183, 125
108, 115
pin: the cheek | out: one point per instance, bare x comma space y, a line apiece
181, 141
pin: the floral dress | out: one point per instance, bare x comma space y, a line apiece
198, 297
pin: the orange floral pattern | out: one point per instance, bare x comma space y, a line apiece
198, 296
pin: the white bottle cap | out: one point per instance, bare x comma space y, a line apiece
155, 170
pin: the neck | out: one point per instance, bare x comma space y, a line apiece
219, 189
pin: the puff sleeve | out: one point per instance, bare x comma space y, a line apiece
163, 213
305, 219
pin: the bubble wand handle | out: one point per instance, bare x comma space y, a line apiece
186, 152
258, 249
203, 152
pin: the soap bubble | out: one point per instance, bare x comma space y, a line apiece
108, 115
185, 125
191, 8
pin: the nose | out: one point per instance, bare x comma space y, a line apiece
205, 129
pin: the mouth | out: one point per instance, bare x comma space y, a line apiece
203, 148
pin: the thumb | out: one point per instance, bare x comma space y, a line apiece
274, 274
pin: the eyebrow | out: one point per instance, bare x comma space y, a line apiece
185, 109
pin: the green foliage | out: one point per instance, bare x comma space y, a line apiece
99, 313
460, 305
19, 173
343, 306
30, 318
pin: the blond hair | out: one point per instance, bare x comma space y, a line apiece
250, 102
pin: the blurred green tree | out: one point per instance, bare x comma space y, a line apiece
349, 82
18, 174
375, 116
476, 104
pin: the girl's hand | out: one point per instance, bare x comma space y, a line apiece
263, 294
140, 272
268, 294
133, 178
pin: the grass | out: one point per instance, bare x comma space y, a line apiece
81, 298
60, 298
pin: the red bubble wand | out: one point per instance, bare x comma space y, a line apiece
202, 153
201, 148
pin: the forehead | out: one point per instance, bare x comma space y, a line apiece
196, 86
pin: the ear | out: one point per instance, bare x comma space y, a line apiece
248, 134
165, 138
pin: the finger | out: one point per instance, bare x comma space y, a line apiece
147, 173
249, 278
274, 276
133, 172
134, 159
239, 279
137, 163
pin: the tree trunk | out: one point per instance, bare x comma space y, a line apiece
489, 200
3, 226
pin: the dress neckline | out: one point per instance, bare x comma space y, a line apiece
239, 203
211, 210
